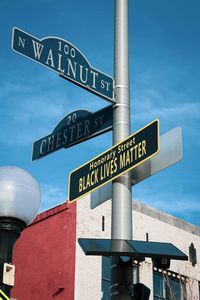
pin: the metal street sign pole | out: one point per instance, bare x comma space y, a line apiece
121, 223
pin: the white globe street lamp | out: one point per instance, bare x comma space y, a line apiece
19, 204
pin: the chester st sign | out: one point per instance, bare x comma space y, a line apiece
76, 127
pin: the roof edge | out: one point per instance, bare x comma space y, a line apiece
50, 212
166, 218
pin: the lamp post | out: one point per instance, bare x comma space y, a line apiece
19, 204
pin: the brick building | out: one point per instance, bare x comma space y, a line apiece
51, 265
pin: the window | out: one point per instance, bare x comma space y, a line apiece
158, 287
103, 223
173, 289
199, 290
105, 284
167, 288
192, 255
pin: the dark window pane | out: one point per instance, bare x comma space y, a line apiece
135, 274
106, 261
103, 223
173, 289
105, 282
199, 290
158, 287
105, 290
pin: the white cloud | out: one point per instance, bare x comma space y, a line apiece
33, 107
174, 109
189, 110
171, 200
51, 195
162, 92
29, 113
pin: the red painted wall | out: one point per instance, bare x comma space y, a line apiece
44, 256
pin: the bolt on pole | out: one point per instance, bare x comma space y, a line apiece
121, 223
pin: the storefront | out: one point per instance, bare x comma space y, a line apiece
51, 265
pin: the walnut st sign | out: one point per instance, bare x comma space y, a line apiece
64, 58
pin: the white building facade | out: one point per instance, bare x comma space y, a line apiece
180, 282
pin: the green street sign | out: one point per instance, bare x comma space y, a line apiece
3, 296
64, 58
76, 127
115, 161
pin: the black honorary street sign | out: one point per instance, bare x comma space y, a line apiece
3, 296
120, 158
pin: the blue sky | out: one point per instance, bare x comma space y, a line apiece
165, 74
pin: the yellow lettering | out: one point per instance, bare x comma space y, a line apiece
144, 147
135, 149
80, 185
139, 150
88, 181
127, 158
122, 160
115, 165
